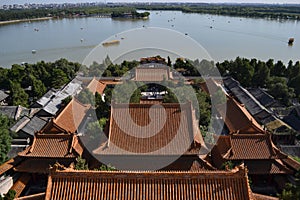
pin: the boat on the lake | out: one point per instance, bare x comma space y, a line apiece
113, 42
33, 51
291, 41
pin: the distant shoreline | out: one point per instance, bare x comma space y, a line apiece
24, 20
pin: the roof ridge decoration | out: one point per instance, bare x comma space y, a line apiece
57, 169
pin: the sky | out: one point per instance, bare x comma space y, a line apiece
206, 1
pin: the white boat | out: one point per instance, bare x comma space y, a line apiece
33, 51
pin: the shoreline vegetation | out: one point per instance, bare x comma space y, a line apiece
26, 15
24, 20
267, 11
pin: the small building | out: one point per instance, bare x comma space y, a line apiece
153, 72
266, 163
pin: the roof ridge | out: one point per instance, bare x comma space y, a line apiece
237, 170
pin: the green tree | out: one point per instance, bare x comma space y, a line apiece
38, 87
227, 165
81, 164
107, 168
291, 191
18, 94
102, 108
277, 87
127, 92
59, 78
261, 75
10, 195
278, 69
295, 84
5, 138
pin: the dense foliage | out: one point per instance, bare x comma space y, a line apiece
132, 15
5, 138
291, 191
263, 11
10, 195
60, 12
281, 81
29, 82
81, 164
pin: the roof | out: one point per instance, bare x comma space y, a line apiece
189, 163
254, 146
267, 167
292, 150
34, 125
39, 196
9, 165
14, 112
262, 96
245, 97
247, 147
151, 101
152, 72
41, 165
293, 121
293, 164
256, 151
21, 183
70, 117
53, 146
160, 129
72, 184
53, 103
3, 95
20, 124
46, 97
264, 197
237, 118
96, 86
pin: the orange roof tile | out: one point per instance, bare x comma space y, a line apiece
96, 86
189, 163
223, 185
69, 118
170, 122
152, 73
251, 146
151, 101
267, 167
20, 184
255, 150
293, 164
9, 164
264, 197
39, 196
41, 165
53, 146
237, 118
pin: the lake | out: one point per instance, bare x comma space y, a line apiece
223, 37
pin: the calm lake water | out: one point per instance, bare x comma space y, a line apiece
223, 37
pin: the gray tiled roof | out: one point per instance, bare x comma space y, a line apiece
3, 95
20, 124
54, 101
35, 124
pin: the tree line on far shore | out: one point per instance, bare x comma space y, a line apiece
16, 14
